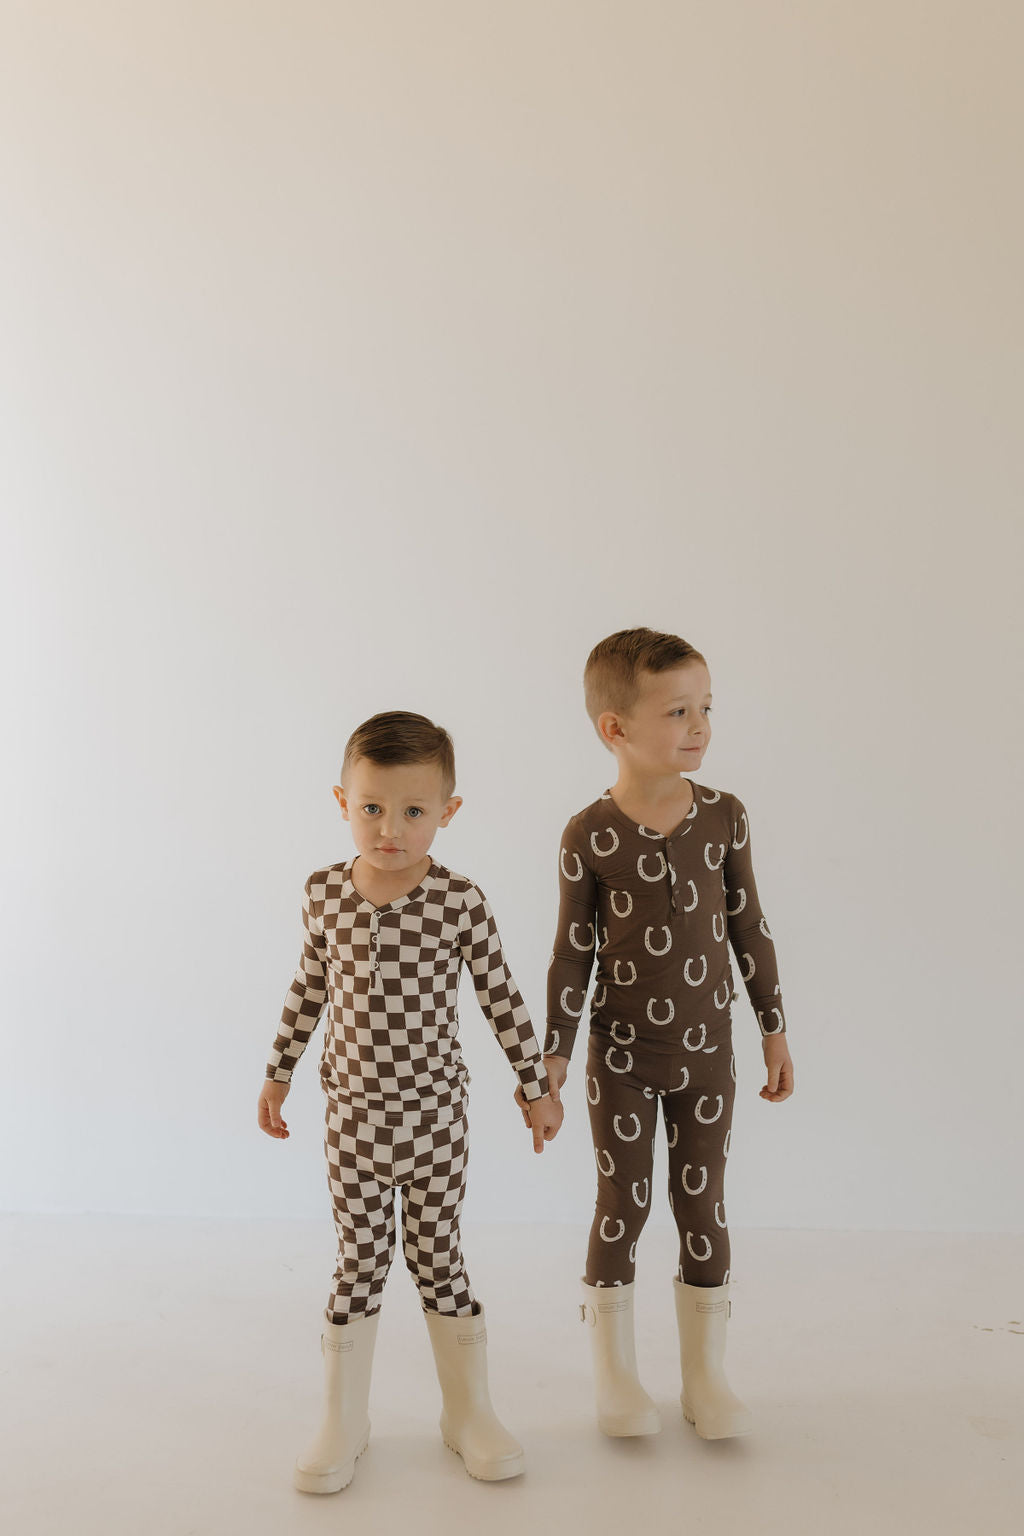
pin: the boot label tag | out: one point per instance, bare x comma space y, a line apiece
342, 1348
480, 1337
613, 1306
711, 1306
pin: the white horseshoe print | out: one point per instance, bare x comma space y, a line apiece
632, 1251
603, 853
673, 1135
700, 1043
746, 975
617, 1038
716, 918
685, 1082
726, 999
611, 1163
720, 1222
734, 911
611, 1065
763, 925
651, 948
565, 1000
588, 946
662, 867
620, 1134
597, 1090
700, 1257
670, 1015
579, 866
671, 1203
604, 942
737, 841
629, 903
727, 1142
693, 903
701, 977
648, 1093
725, 1277
619, 982
702, 1186
622, 1227
556, 1040
709, 1050
764, 1027
646, 832
708, 1119
716, 794
671, 873
732, 1066
599, 1002
715, 863
647, 1193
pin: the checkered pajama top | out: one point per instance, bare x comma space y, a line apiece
390, 977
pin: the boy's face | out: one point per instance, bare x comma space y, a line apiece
394, 810
668, 727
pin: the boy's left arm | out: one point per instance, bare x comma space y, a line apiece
754, 948
507, 1014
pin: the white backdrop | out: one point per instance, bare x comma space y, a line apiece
387, 356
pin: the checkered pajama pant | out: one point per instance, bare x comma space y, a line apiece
365, 1165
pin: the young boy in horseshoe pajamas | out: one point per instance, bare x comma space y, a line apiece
656, 881
386, 934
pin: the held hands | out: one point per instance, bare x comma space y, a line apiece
272, 1096
780, 1069
544, 1116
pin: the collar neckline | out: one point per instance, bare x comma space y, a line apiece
349, 889
642, 831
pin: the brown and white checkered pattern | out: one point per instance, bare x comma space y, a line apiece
389, 976
365, 1164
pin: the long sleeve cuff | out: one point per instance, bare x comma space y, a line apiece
533, 1079
560, 1038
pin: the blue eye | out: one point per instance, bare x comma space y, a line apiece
370, 810
414, 810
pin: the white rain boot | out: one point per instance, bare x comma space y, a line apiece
330, 1462
623, 1407
469, 1425
708, 1402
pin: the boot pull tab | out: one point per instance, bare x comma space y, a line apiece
588, 1315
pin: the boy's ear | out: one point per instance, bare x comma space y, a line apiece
339, 795
609, 728
451, 807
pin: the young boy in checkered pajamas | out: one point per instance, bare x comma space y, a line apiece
386, 935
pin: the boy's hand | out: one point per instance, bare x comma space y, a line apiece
545, 1118
557, 1067
272, 1096
780, 1069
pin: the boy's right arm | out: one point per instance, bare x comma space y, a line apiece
302, 1009
572, 954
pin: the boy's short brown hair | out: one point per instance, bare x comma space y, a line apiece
611, 677
396, 736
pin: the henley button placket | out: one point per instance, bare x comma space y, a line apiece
374, 958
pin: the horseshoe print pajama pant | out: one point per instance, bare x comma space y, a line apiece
365, 1165
695, 1090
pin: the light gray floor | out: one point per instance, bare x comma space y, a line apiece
159, 1377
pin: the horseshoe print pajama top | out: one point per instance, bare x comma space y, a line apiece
659, 914
393, 1071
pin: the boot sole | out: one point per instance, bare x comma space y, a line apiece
727, 1434
328, 1482
631, 1424
485, 1472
